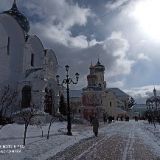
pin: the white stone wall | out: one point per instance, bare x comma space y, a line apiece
4, 57
16, 48
15, 64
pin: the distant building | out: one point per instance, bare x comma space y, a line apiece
75, 100
153, 102
139, 110
121, 96
25, 64
98, 99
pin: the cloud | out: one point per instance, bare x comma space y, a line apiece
142, 56
112, 53
60, 13
118, 46
55, 19
113, 5
118, 84
63, 36
142, 93
64, 26
78, 51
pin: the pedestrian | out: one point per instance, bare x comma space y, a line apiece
136, 118
95, 124
104, 118
110, 118
90, 119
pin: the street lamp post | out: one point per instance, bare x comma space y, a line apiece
68, 81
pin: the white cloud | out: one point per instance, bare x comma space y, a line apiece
94, 42
142, 56
118, 46
61, 36
59, 12
56, 18
118, 84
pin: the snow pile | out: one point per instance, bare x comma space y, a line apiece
36, 146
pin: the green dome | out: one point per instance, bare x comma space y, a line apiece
19, 17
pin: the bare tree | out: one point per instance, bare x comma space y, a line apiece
26, 116
39, 121
131, 102
49, 127
53, 118
8, 97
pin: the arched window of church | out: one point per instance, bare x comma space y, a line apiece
26, 97
32, 59
110, 104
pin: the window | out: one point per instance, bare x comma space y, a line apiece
26, 97
8, 45
32, 59
110, 104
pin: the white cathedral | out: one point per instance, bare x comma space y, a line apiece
25, 64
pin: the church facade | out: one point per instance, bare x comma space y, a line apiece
25, 64
98, 99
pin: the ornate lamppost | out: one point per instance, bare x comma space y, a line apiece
68, 81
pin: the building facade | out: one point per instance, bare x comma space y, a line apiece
153, 102
98, 99
25, 64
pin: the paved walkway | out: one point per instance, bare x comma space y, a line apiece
118, 141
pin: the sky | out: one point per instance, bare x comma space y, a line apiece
123, 34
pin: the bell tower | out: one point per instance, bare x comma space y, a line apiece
99, 72
96, 76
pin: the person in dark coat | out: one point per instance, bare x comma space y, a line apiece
90, 119
95, 124
110, 119
104, 117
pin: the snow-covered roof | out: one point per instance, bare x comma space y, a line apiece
139, 106
118, 92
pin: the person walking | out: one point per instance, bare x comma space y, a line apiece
95, 124
104, 118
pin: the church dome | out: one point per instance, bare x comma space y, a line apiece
19, 17
99, 66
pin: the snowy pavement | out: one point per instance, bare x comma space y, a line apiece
117, 141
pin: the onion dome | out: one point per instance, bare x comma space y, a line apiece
19, 17
99, 66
